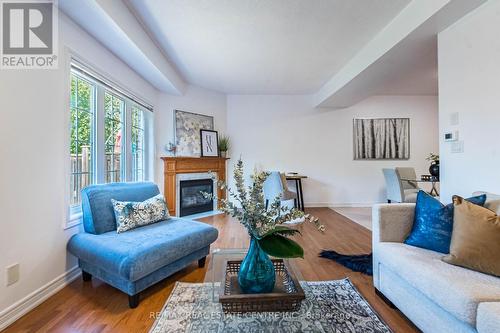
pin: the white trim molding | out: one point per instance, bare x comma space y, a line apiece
353, 204
28, 303
336, 204
73, 221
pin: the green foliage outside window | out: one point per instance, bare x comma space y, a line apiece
81, 114
82, 109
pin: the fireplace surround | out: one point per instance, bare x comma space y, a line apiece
186, 168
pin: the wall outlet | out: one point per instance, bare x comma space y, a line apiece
12, 274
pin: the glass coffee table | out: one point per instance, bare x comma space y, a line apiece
216, 275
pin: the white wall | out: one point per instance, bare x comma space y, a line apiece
469, 83
195, 99
34, 168
286, 133
276, 132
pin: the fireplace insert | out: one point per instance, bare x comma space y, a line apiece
191, 200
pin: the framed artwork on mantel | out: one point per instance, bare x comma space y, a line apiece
187, 126
209, 143
381, 139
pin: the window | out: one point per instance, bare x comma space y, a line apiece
137, 144
113, 137
82, 135
107, 135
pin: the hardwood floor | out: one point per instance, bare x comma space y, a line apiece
96, 307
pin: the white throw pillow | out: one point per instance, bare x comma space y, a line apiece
130, 215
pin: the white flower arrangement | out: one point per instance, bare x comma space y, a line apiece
267, 225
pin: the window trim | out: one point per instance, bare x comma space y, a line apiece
76, 209
144, 144
74, 220
79, 66
102, 85
124, 129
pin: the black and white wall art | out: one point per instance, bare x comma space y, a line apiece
209, 143
382, 139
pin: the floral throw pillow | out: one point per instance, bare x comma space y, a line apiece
130, 215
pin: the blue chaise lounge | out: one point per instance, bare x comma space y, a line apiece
136, 259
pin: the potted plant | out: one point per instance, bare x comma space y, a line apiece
434, 168
223, 145
269, 236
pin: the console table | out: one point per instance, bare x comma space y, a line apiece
173, 165
298, 187
434, 191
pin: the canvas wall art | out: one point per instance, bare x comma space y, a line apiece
382, 139
187, 131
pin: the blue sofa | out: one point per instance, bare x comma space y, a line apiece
136, 259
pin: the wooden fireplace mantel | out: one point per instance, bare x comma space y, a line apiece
175, 165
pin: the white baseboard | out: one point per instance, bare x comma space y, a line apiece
25, 305
334, 205
316, 204
353, 205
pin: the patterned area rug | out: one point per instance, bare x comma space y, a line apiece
330, 306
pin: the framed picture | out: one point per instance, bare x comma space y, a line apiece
381, 139
187, 126
209, 143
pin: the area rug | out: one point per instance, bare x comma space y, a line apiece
358, 262
330, 306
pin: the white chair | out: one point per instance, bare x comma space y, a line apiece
395, 188
276, 186
408, 173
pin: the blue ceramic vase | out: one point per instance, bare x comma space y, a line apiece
256, 273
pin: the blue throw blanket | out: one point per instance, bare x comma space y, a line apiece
358, 263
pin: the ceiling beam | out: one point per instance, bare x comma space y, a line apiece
112, 24
401, 44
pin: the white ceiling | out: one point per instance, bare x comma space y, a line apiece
261, 46
400, 60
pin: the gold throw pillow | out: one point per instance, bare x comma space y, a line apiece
475, 242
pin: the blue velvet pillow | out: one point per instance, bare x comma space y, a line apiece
433, 223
